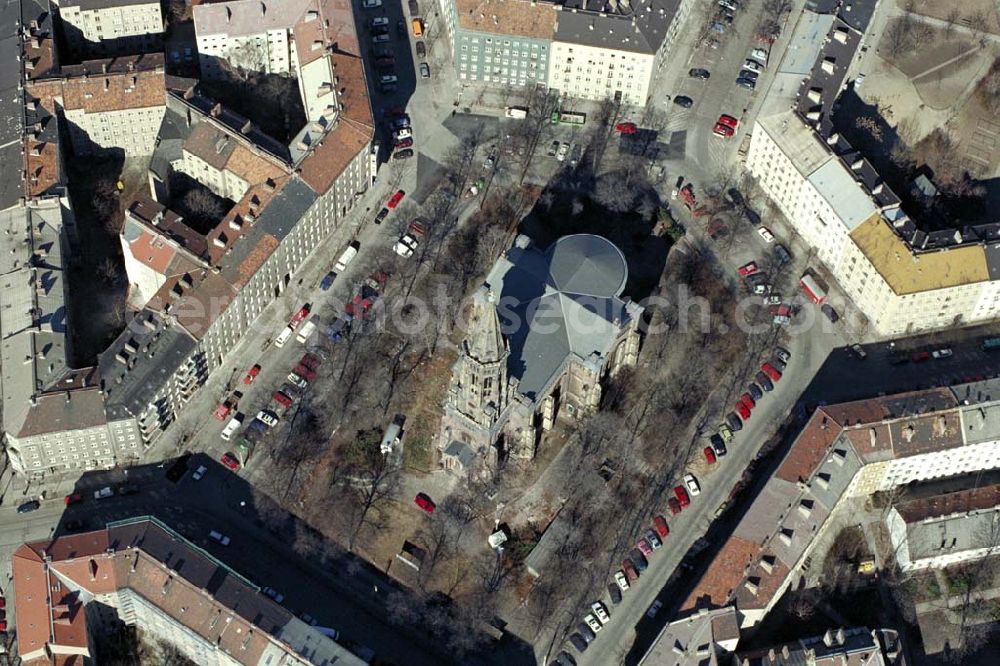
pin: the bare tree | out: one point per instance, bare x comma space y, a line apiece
368, 481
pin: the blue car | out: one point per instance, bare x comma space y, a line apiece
327, 281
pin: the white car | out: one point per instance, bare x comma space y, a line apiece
562, 152
944, 352
104, 493
592, 622
760, 55
621, 580
654, 609
405, 246
773, 299
402, 133
219, 536
231, 427
766, 234
379, 21
199, 473
274, 594
371, 4
601, 612
753, 66
692, 485
269, 419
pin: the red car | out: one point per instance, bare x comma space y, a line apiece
660, 523
396, 198
644, 547
709, 455
728, 121
3, 625
299, 316
682, 496
626, 128
282, 399
424, 502
771, 371
252, 374
404, 143
920, 356
747, 401
748, 269
630, 573
742, 410
723, 130
675, 506
230, 461
75, 498
395, 112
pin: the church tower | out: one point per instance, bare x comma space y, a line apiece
479, 389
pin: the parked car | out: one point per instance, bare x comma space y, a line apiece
578, 642
742, 410
830, 313
920, 356
781, 254
219, 536
631, 574
74, 498
403, 133
127, 489
104, 493
753, 66
944, 352
747, 401
682, 496
230, 462
683, 101
626, 128
771, 371
725, 433
743, 82
601, 611
728, 121
593, 622
760, 55
425, 502
421, 50
425, 70
585, 631
74, 525
653, 538
709, 454
404, 143
764, 381
654, 609
734, 422
755, 391
404, 154
641, 563
674, 506
252, 374
718, 444
660, 523
644, 547
699, 73
267, 418
747, 269
29, 506
782, 354
553, 149
748, 74
371, 4
382, 214
615, 593
396, 198
766, 234
692, 485
724, 131
199, 473
621, 580
274, 594
860, 352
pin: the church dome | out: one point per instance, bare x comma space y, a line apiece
588, 265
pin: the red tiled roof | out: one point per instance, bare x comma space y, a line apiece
963, 501
725, 572
809, 448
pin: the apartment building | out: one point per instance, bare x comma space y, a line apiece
926, 442
139, 572
95, 27
112, 103
583, 48
279, 37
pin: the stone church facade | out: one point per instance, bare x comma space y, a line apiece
543, 333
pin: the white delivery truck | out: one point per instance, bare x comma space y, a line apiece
347, 256
283, 337
518, 112
306, 330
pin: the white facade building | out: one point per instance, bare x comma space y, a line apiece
97, 26
865, 240
591, 72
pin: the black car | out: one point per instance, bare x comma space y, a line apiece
764, 381
755, 391
578, 642
401, 28
749, 74
29, 506
638, 559
735, 197
615, 592
718, 445
746, 83
830, 313
782, 353
565, 659
127, 489
683, 101
734, 422
382, 214
778, 364
584, 630
421, 50
782, 254
698, 73
403, 154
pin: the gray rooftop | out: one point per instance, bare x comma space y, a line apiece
90, 5
140, 363
33, 319
248, 17
596, 23
560, 304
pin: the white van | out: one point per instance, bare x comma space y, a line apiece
283, 337
347, 256
306, 330
232, 427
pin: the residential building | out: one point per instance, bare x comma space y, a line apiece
105, 27
116, 103
585, 49
902, 278
196, 292
546, 329
276, 37
845, 454
138, 572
